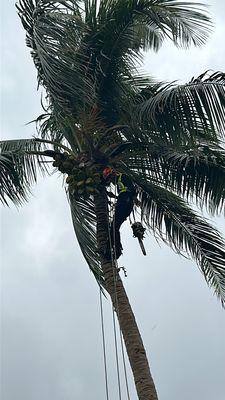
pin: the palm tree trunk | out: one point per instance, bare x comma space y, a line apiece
114, 286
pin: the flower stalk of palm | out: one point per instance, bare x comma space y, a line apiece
100, 111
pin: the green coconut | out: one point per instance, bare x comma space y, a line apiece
82, 175
80, 191
80, 184
89, 181
90, 189
56, 163
69, 179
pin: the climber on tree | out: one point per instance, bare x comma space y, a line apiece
123, 208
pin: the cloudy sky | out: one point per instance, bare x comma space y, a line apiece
50, 329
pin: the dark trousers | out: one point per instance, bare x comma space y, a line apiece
124, 206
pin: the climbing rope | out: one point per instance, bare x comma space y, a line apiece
103, 340
104, 345
117, 356
124, 365
115, 265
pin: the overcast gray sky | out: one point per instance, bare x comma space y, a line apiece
50, 331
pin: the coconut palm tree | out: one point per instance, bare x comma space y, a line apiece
100, 111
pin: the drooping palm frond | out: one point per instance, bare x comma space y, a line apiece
10, 186
47, 127
184, 23
58, 128
22, 160
54, 33
167, 215
84, 222
183, 112
197, 172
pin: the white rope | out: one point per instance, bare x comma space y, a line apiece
114, 277
103, 340
117, 357
124, 365
114, 261
104, 345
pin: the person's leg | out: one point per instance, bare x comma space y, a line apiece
123, 208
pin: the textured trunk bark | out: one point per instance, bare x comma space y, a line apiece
113, 284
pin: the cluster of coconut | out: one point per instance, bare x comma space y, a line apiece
65, 162
83, 181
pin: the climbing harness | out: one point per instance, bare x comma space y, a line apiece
138, 232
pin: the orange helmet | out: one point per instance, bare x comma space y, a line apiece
108, 172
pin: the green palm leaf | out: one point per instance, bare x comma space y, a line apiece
10, 186
54, 33
180, 227
21, 162
57, 128
195, 172
186, 111
84, 222
184, 23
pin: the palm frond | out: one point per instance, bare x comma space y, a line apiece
184, 23
84, 222
149, 36
196, 173
196, 109
58, 128
10, 186
180, 227
22, 160
54, 33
